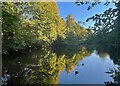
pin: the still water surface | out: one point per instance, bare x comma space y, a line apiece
92, 72
86, 66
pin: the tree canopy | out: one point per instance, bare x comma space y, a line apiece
31, 24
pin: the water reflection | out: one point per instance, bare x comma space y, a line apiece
92, 72
49, 67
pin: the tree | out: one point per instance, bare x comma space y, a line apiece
30, 24
106, 25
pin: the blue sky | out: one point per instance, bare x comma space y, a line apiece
80, 13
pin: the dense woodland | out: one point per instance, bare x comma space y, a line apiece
38, 25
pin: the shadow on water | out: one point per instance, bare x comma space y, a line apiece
45, 66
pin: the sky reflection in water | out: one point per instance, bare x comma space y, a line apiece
92, 72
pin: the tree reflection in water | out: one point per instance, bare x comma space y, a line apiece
113, 52
41, 67
44, 66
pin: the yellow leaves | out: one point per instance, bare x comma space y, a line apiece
74, 56
44, 38
70, 69
63, 56
40, 33
53, 32
52, 25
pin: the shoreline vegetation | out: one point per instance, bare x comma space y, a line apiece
32, 26
38, 24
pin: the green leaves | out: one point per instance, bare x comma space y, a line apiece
32, 23
79, 33
37, 24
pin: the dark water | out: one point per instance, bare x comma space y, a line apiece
87, 65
